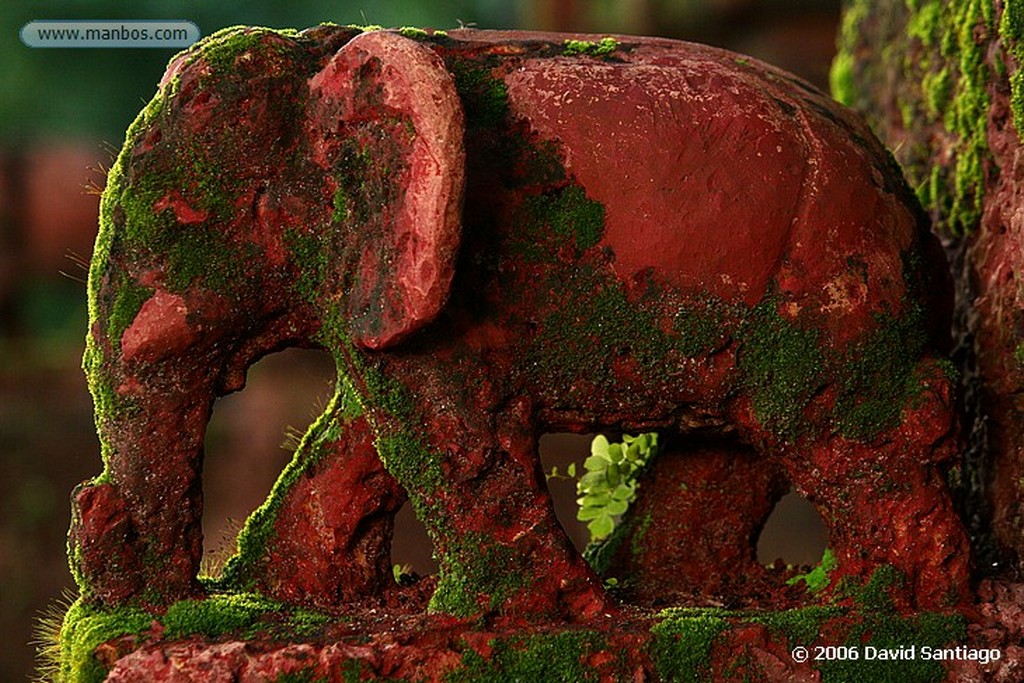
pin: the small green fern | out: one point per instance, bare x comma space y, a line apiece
609, 486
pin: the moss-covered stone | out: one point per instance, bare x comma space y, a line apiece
475, 565
544, 658
783, 366
682, 644
484, 96
569, 214
936, 54
216, 615
259, 527
243, 615
800, 626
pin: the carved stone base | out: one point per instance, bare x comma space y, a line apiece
244, 641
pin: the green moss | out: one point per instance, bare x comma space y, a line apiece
473, 566
542, 658
702, 328
601, 48
1018, 354
311, 259
877, 594
369, 28
941, 78
1011, 31
411, 462
891, 631
484, 96
304, 676
256, 532
411, 32
841, 74
128, 301
217, 615
800, 626
879, 375
782, 365
340, 202
571, 345
84, 629
683, 641
221, 49
569, 214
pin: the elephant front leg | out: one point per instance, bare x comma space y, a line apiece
136, 532
475, 482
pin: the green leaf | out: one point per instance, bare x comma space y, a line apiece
571, 470
585, 514
599, 446
617, 507
596, 463
601, 527
591, 481
615, 452
625, 491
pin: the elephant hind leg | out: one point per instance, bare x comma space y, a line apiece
692, 533
327, 543
886, 502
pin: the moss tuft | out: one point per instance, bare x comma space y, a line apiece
217, 615
683, 641
568, 214
942, 80
85, 628
412, 32
601, 48
543, 657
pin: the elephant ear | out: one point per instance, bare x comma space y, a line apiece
388, 126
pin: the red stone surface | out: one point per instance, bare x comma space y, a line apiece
667, 238
331, 540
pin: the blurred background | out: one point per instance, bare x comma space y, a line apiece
63, 113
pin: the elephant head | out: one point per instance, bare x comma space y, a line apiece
271, 184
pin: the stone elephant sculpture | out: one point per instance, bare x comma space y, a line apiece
498, 235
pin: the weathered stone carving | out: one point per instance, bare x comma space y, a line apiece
497, 235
